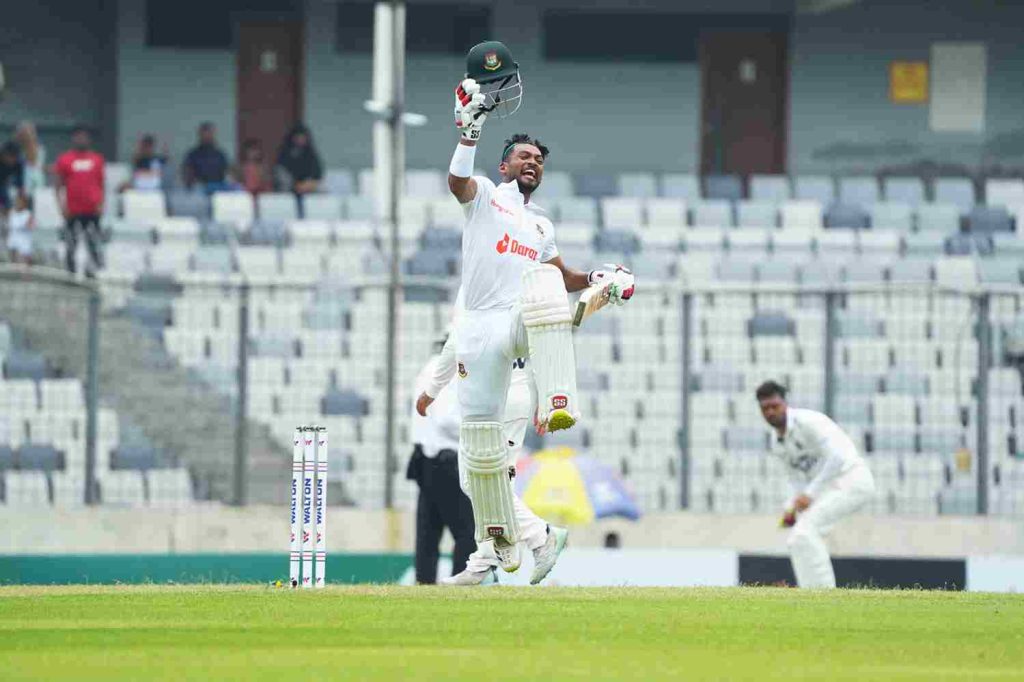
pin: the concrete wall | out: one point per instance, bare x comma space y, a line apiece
213, 528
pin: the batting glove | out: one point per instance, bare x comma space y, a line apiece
469, 109
623, 282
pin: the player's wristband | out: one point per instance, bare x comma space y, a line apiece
462, 161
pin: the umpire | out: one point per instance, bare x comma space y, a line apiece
434, 466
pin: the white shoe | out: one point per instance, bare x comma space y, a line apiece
508, 555
545, 556
469, 578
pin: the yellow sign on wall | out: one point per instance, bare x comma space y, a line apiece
908, 82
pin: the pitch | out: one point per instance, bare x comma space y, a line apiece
392, 633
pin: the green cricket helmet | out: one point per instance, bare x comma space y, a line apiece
491, 65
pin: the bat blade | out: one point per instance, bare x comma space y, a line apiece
591, 300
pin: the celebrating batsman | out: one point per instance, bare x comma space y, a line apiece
515, 289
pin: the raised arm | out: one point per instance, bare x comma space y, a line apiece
462, 188
469, 119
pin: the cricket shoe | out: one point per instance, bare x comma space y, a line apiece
470, 578
508, 554
545, 556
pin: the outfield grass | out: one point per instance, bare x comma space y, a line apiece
501, 633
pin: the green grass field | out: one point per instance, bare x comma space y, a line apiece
399, 633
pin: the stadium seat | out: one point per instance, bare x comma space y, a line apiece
824, 272
681, 186
425, 184
842, 243
321, 206
144, 207
712, 213
358, 208
924, 244
39, 457
596, 185
848, 216
956, 272
24, 364
893, 409
850, 324
956, 191
943, 218
621, 213
756, 214
737, 270
215, 259
905, 190
770, 323
190, 204
432, 263
906, 382
801, 214
793, 242
725, 187
45, 208
769, 188
447, 213
278, 206
580, 210
339, 182
557, 185
235, 208
341, 402
441, 239
884, 243
1004, 192
1000, 270
859, 190
637, 185
911, 271
892, 215
990, 219
752, 240
818, 188
666, 213
616, 242
895, 439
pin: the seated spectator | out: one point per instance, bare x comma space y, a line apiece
12, 175
252, 168
298, 163
33, 156
206, 166
20, 224
147, 166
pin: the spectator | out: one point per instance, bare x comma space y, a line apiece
206, 165
252, 168
80, 185
33, 156
12, 175
19, 230
298, 162
147, 166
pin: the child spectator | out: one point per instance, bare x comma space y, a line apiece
20, 224
252, 168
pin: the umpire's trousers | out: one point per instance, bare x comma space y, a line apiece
441, 503
89, 226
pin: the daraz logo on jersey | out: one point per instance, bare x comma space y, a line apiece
513, 246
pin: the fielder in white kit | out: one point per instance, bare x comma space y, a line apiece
830, 481
514, 286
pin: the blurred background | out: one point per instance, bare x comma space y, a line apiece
824, 192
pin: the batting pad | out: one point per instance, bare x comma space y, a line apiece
548, 322
484, 455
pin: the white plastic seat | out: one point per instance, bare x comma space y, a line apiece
805, 214
26, 488
956, 272
257, 260
865, 355
170, 258
277, 206
666, 213
144, 206
321, 207
425, 184
122, 488
712, 213
178, 228
310, 231
621, 213
235, 208
1004, 192
898, 410
169, 487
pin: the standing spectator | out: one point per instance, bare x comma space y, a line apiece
298, 162
33, 156
147, 166
19, 230
206, 165
12, 175
252, 168
80, 185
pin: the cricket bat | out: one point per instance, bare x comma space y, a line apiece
591, 300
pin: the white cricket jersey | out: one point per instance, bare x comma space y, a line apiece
814, 449
503, 237
439, 430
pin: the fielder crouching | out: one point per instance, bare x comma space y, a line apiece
515, 304
830, 481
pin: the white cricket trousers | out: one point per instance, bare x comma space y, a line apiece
812, 564
486, 344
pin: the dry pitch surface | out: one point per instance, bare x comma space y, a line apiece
401, 633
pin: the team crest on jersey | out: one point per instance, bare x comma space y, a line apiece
540, 231
462, 371
491, 61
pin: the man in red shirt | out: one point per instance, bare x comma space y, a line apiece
80, 178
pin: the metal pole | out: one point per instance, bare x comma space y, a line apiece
239, 474
92, 395
984, 364
686, 416
397, 35
830, 353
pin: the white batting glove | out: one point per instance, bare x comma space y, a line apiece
469, 109
623, 282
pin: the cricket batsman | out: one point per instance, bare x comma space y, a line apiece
830, 481
515, 302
